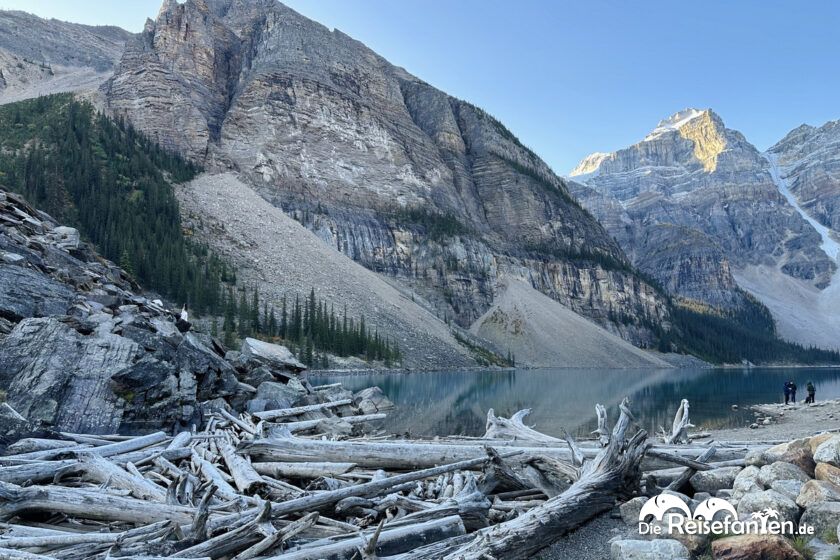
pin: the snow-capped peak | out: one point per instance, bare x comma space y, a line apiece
675, 122
589, 165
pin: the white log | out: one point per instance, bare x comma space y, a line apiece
296, 411
304, 425
303, 470
389, 541
247, 480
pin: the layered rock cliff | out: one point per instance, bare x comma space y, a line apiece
394, 173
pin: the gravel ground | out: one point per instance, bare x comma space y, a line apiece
590, 542
787, 421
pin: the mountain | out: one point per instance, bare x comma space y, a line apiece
40, 56
699, 208
406, 180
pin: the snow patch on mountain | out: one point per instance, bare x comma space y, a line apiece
829, 245
674, 122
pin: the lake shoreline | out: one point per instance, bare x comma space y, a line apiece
789, 422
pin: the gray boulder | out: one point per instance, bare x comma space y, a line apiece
823, 517
280, 395
828, 452
817, 491
715, 479
66, 237
759, 501
272, 355
780, 470
660, 549
745, 482
789, 488
631, 509
372, 400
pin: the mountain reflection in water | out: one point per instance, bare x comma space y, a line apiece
456, 402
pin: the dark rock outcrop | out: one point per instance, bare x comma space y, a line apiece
83, 351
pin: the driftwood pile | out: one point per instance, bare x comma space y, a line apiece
277, 485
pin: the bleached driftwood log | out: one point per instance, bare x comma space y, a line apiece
297, 411
303, 470
688, 472
680, 426
513, 428
409, 455
388, 543
601, 431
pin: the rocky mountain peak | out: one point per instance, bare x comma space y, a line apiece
693, 139
677, 121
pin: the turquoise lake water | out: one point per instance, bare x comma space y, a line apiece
456, 402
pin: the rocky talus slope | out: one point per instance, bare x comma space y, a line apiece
40, 56
542, 333
81, 350
388, 170
696, 206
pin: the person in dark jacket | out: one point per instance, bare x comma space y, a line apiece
787, 391
793, 391
812, 391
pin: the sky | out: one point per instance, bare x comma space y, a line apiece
572, 78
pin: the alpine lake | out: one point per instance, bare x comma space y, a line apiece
456, 402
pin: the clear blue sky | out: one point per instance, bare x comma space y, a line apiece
569, 78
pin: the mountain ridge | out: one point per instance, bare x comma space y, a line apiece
666, 177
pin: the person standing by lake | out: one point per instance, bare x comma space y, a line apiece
787, 391
792, 391
812, 391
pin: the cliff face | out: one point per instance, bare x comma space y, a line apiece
694, 198
809, 159
399, 176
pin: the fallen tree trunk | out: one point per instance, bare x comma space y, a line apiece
298, 410
410, 455
388, 542
303, 470
688, 472
15, 500
304, 425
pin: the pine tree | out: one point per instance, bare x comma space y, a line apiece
284, 321
244, 314
254, 320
